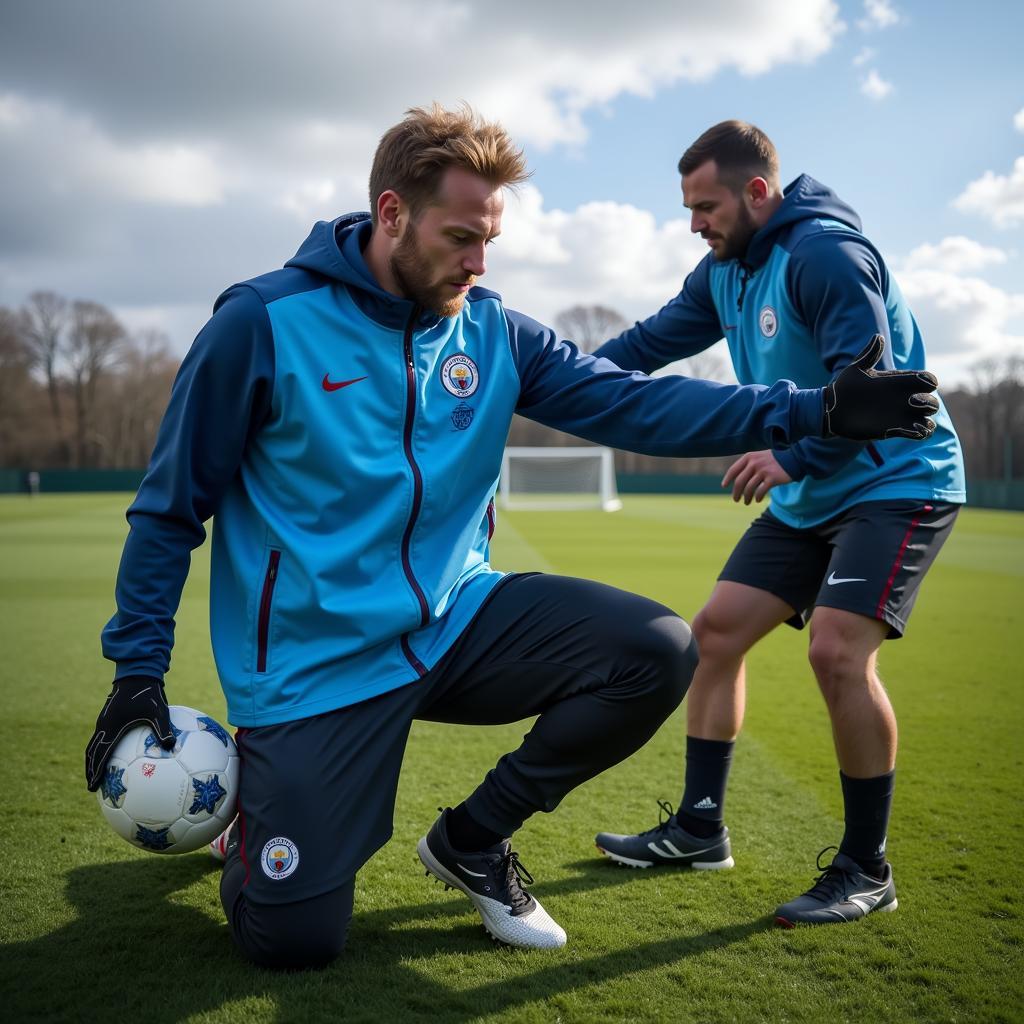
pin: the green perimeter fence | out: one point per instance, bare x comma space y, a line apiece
1007, 494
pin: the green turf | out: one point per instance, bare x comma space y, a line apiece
93, 930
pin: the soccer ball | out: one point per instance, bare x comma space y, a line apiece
172, 801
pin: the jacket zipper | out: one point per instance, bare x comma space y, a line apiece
266, 597
417, 492
746, 273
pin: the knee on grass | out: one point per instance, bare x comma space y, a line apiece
306, 935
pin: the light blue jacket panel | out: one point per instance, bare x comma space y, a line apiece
801, 305
348, 445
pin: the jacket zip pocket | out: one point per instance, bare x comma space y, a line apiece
266, 599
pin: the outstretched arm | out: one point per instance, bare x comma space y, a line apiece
684, 326
681, 416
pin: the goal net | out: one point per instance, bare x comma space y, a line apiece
558, 478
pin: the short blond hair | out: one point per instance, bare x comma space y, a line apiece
412, 156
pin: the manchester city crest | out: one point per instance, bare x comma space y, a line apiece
769, 321
279, 859
459, 375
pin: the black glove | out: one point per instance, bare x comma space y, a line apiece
133, 700
866, 405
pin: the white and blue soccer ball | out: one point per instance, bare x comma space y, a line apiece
172, 801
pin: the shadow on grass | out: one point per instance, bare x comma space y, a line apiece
134, 951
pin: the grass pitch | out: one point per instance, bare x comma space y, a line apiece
92, 930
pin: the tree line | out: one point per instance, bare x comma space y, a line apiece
77, 388
80, 390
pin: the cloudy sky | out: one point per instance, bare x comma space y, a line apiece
153, 153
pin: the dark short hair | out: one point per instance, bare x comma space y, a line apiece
741, 151
413, 155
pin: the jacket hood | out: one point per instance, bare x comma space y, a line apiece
334, 249
803, 199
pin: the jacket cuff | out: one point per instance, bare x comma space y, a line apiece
791, 463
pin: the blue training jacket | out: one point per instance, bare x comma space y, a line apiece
349, 445
806, 298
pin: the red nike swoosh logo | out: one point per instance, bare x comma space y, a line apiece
337, 385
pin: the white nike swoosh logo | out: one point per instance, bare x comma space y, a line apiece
861, 903
867, 900
475, 874
673, 851
834, 579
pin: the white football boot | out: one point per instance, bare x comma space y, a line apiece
492, 879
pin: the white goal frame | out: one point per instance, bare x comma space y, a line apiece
606, 497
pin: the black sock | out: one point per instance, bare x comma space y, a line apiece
467, 834
867, 803
707, 772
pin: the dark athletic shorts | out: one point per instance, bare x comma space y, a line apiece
869, 559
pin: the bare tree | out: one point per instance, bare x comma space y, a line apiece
708, 365
93, 344
590, 326
43, 321
134, 397
15, 388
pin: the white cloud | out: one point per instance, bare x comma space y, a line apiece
866, 54
609, 254
613, 254
880, 14
149, 194
14, 111
1018, 120
874, 86
963, 319
179, 175
954, 254
539, 72
69, 154
997, 197
310, 201
322, 117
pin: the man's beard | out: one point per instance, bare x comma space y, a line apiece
408, 267
738, 239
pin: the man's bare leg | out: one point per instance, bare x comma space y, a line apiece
735, 617
844, 656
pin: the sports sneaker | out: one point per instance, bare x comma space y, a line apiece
842, 892
492, 879
219, 847
667, 843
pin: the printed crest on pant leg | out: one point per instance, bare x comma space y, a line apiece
279, 859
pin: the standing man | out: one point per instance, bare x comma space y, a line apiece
344, 419
791, 283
